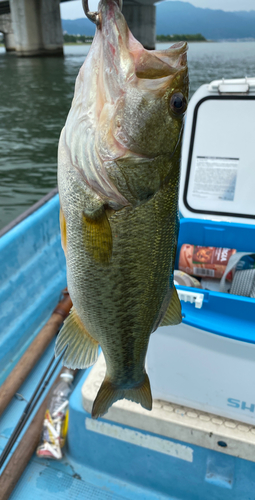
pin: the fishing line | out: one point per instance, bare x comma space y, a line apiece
30, 407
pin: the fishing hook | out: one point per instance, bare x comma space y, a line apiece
92, 16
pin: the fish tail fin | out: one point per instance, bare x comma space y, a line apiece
141, 394
110, 393
82, 349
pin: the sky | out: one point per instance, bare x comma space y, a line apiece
74, 10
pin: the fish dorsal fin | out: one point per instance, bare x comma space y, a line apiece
173, 315
110, 393
98, 236
82, 350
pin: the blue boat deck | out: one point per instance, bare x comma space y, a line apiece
108, 467
67, 479
110, 458
50, 479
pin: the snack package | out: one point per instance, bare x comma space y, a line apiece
184, 279
209, 262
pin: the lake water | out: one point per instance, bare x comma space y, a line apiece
35, 97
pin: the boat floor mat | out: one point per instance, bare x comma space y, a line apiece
42, 483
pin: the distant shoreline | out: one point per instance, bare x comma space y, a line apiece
85, 39
193, 41
182, 37
239, 40
79, 43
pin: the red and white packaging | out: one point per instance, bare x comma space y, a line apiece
209, 262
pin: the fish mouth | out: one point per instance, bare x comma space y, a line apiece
156, 64
122, 50
175, 56
118, 77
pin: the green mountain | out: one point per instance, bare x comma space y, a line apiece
81, 26
174, 17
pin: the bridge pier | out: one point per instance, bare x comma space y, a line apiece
141, 19
6, 28
37, 27
9, 42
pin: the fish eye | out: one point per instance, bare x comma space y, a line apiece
178, 103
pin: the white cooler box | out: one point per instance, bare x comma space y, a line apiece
208, 362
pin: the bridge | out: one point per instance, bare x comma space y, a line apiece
33, 27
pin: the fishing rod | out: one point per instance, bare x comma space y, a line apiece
34, 352
39, 390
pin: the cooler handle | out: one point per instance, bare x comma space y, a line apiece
192, 297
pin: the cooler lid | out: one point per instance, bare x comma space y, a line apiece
218, 154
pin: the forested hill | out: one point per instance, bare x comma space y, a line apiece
78, 27
182, 17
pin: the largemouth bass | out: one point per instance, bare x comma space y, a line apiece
118, 177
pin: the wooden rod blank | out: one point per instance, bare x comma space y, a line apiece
33, 353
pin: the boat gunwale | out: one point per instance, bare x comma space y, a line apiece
28, 212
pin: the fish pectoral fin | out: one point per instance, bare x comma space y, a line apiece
62, 229
110, 393
82, 349
173, 315
98, 236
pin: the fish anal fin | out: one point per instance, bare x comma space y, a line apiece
82, 349
98, 236
173, 315
62, 229
110, 393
